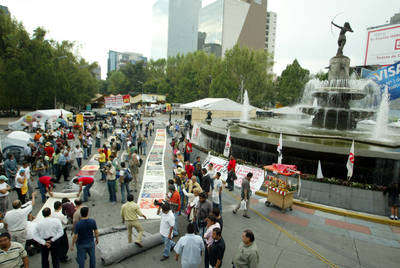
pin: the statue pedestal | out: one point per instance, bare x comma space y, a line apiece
339, 68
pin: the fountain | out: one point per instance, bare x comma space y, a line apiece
322, 128
382, 119
246, 107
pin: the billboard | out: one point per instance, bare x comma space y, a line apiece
383, 45
114, 101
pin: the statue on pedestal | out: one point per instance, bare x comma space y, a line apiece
342, 36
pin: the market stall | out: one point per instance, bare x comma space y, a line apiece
280, 184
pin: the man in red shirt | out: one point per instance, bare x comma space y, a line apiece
188, 150
231, 173
189, 169
46, 184
49, 150
175, 201
84, 181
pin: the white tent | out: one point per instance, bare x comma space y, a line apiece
17, 138
39, 116
217, 104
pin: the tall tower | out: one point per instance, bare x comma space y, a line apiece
183, 20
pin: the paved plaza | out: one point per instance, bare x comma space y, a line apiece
301, 238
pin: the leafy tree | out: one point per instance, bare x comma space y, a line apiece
291, 83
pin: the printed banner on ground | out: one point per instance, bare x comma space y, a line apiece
154, 184
220, 165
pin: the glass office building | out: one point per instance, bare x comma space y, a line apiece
210, 28
159, 42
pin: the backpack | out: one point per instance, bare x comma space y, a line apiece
128, 176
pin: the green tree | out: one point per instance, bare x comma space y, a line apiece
291, 83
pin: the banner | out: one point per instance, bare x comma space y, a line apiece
350, 162
388, 76
228, 144
154, 184
126, 99
220, 165
114, 101
195, 134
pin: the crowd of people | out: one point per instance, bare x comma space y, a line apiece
194, 194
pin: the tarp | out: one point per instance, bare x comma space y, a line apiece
17, 138
217, 104
282, 169
39, 116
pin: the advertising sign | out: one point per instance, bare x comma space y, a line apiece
114, 101
126, 99
388, 76
79, 119
383, 45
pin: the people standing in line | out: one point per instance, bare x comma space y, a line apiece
63, 240
245, 195
175, 202
217, 192
190, 248
16, 219
125, 177
247, 254
21, 185
188, 150
217, 249
12, 254
85, 232
47, 233
205, 182
134, 168
231, 173
111, 182
166, 229
208, 237
203, 209
130, 213
4, 192
78, 152
10, 166
84, 183
46, 185
393, 192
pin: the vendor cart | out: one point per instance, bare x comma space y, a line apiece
280, 184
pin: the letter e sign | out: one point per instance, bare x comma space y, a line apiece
397, 45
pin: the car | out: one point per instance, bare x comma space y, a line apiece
111, 113
88, 116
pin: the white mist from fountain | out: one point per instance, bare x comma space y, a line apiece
382, 118
246, 107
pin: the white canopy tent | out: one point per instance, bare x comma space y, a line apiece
39, 116
17, 138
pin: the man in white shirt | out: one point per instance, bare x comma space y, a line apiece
4, 191
47, 232
16, 219
166, 227
190, 248
63, 241
217, 192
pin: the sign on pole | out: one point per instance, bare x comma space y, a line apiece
350, 162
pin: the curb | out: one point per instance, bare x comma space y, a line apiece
341, 212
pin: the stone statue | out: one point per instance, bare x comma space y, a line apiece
342, 36
209, 119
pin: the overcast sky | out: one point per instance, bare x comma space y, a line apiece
303, 26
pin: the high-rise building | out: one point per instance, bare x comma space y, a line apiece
5, 9
225, 23
159, 44
183, 20
270, 33
118, 59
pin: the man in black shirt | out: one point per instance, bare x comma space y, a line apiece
205, 182
217, 249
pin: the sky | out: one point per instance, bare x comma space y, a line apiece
303, 26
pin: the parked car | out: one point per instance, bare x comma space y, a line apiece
88, 116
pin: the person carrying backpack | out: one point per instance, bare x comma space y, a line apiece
125, 177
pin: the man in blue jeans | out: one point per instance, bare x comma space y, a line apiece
84, 181
83, 237
166, 227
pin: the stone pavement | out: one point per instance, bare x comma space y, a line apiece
301, 238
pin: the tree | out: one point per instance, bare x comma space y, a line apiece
117, 83
291, 83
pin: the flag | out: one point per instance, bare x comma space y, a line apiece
228, 144
187, 135
319, 171
279, 149
350, 162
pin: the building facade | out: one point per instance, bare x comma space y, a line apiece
270, 33
183, 26
159, 42
225, 23
118, 59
